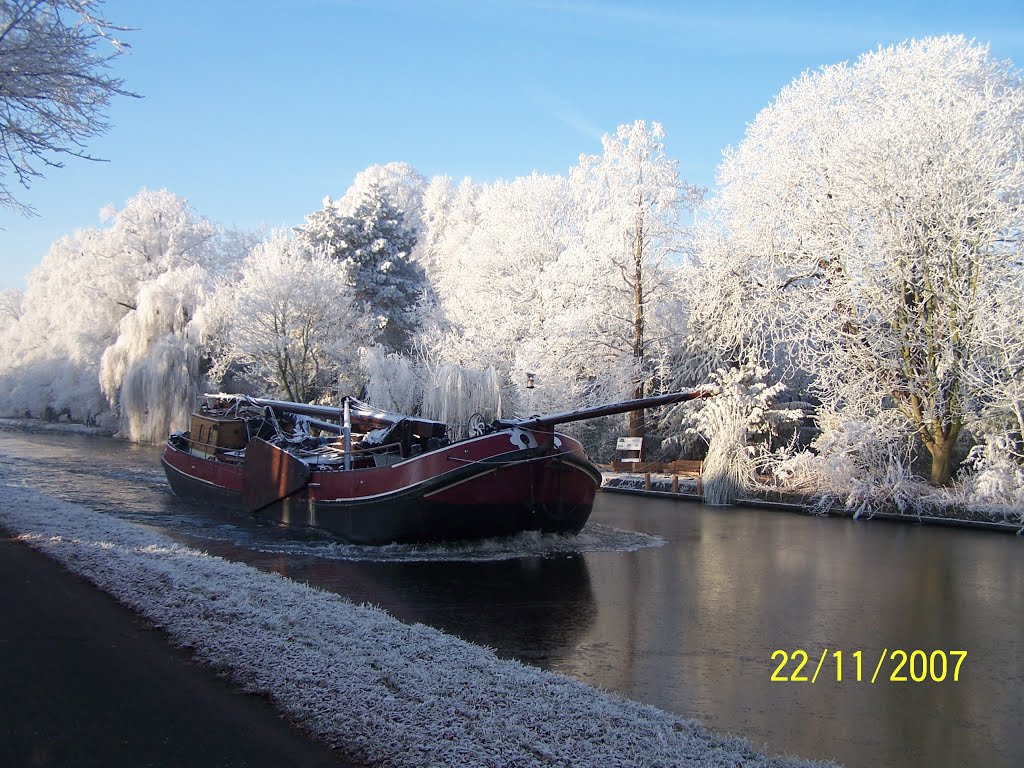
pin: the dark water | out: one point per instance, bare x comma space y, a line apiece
687, 622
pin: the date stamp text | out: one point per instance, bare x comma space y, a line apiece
893, 666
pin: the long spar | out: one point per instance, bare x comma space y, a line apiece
383, 419
373, 418
608, 409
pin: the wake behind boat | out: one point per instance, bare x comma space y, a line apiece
379, 478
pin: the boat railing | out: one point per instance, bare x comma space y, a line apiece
332, 454
386, 448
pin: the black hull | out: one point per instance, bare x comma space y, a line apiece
411, 515
185, 486
416, 521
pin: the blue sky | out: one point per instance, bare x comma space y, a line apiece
254, 110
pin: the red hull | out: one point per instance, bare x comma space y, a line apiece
504, 482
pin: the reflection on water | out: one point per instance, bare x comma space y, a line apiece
685, 617
732, 586
535, 609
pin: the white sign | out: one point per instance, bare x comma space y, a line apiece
629, 444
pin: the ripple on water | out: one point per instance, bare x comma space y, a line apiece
594, 538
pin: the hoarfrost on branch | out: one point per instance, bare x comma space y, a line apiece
54, 86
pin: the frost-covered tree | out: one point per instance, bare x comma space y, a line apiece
438, 225
996, 476
738, 424
156, 231
12, 305
720, 287
860, 464
394, 382
441, 391
54, 85
448, 220
996, 464
77, 300
157, 262
540, 274
288, 320
153, 369
630, 200
453, 394
51, 353
374, 246
490, 248
867, 212
997, 370
498, 262
400, 183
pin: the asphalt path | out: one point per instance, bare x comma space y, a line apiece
86, 682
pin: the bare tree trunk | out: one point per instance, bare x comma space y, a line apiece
942, 461
636, 418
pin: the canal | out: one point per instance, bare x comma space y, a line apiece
688, 608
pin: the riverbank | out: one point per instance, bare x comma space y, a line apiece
688, 489
41, 425
89, 683
378, 690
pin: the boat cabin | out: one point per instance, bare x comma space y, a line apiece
208, 434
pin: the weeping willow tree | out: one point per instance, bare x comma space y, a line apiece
453, 394
444, 392
393, 382
151, 372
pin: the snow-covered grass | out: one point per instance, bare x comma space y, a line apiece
865, 478
358, 679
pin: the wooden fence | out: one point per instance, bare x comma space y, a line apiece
688, 468
648, 468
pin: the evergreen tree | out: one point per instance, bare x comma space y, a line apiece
374, 245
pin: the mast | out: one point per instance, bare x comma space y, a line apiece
347, 432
